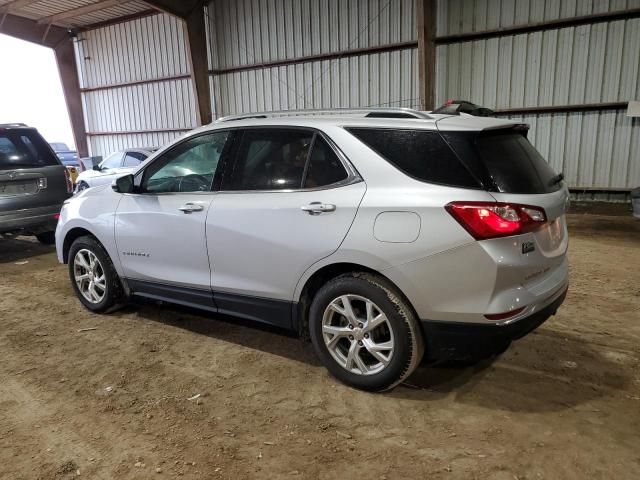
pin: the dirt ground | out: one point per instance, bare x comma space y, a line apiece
113, 402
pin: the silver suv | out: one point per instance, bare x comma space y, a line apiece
381, 234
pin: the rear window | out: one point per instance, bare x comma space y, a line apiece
421, 154
514, 165
24, 149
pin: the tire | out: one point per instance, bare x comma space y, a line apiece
47, 238
367, 369
109, 291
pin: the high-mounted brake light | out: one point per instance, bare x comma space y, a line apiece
484, 220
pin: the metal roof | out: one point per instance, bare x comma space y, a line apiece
73, 13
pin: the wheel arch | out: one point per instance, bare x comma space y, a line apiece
70, 237
323, 275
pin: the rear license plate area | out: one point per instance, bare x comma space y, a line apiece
18, 187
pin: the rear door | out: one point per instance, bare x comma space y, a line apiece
31, 176
286, 201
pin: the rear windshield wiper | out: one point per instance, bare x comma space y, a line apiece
557, 179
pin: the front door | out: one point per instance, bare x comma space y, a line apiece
160, 230
287, 200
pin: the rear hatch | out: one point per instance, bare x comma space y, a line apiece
507, 166
31, 176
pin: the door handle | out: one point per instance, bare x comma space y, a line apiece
316, 208
191, 207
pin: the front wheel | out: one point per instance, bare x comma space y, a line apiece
364, 332
93, 275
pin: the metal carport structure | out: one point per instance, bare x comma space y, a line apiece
137, 73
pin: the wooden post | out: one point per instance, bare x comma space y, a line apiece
197, 43
66, 59
426, 21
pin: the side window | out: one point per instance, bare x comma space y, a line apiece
112, 161
324, 167
421, 154
269, 159
133, 159
188, 167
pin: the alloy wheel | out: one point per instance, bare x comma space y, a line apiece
89, 276
358, 334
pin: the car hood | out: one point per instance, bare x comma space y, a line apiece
112, 171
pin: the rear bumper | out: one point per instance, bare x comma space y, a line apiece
30, 220
452, 340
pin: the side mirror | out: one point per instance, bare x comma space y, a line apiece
123, 184
96, 168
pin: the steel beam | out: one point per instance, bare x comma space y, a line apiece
79, 11
541, 26
123, 19
29, 30
352, 52
16, 5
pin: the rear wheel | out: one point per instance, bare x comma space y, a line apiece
93, 275
46, 238
364, 332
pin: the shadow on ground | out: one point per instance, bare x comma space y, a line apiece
545, 371
22, 248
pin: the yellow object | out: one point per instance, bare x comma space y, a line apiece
74, 173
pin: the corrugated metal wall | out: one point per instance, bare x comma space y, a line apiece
249, 32
464, 16
569, 66
142, 50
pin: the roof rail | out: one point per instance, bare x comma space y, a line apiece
365, 112
9, 125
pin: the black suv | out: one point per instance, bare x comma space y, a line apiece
33, 184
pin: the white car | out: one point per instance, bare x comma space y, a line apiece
115, 165
381, 235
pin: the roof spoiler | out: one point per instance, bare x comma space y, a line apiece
456, 107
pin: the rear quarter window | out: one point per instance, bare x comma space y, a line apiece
514, 165
421, 154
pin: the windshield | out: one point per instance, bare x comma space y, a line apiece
24, 148
112, 161
59, 147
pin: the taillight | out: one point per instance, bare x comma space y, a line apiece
67, 177
484, 220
